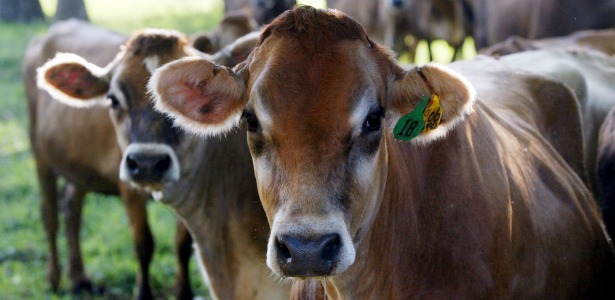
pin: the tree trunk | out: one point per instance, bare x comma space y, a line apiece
71, 9
21, 11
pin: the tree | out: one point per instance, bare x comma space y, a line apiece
21, 11
71, 9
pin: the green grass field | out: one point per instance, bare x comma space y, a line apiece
106, 240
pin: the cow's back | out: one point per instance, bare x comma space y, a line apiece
78, 144
590, 74
496, 20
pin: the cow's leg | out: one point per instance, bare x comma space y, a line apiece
73, 207
183, 251
49, 212
135, 204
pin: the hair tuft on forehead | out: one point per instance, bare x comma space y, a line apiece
314, 27
155, 41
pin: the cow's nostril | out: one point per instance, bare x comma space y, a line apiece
283, 252
163, 164
132, 164
332, 247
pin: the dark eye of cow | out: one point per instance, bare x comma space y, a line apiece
373, 121
115, 104
250, 120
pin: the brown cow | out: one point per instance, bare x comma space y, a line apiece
599, 40
478, 205
209, 183
496, 20
58, 134
591, 75
263, 11
235, 24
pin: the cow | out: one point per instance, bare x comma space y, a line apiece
496, 20
57, 135
263, 11
234, 25
591, 75
209, 183
599, 40
387, 183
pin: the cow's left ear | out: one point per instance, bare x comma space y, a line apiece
71, 80
200, 96
434, 96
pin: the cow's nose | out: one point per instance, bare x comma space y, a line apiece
298, 256
149, 164
148, 167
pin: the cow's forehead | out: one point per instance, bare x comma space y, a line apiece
292, 85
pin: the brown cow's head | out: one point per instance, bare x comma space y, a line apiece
320, 101
146, 137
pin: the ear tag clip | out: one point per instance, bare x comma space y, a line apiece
421, 119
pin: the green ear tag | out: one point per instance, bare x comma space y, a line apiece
411, 125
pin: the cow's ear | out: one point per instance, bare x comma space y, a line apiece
200, 96
70, 79
426, 103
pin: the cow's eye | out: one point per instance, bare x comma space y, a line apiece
115, 104
373, 121
250, 120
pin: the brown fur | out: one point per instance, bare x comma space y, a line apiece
436, 234
58, 133
234, 25
216, 195
591, 75
490, 210
599, 40
495, 21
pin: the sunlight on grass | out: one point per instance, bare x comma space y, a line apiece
13, 138
314, 3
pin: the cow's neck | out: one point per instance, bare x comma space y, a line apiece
427, 210
219, 202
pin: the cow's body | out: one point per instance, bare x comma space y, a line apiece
496, 20
58, 134
482, 206
209, 183
235, 24
591, 75
263, 11
599, 40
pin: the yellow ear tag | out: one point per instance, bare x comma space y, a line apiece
432, 114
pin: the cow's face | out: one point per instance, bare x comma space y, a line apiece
146, 137
319, 119
317, 147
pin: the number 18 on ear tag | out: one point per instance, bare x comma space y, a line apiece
411, 125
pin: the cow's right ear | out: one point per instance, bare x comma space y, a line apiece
71, 80
200, 96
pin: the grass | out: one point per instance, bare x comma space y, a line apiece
106, 239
